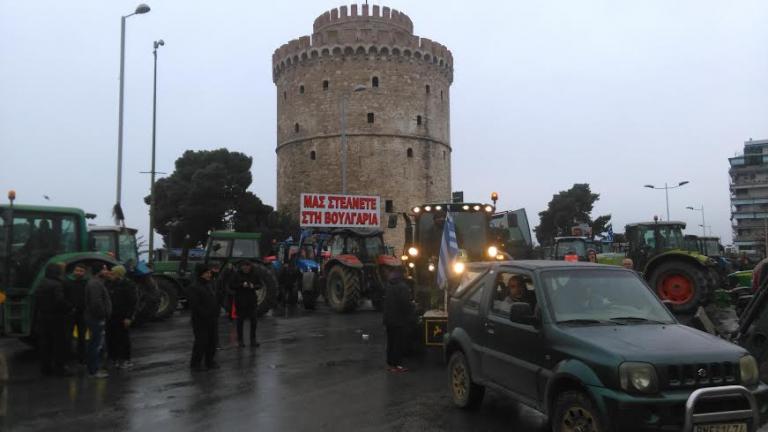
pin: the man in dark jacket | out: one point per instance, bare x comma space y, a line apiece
205, 314
124, 296
53, 312
98, 308
244, 285
397, 314
74, 290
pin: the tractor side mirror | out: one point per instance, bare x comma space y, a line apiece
392, 221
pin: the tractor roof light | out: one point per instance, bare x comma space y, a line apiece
427, 208
11, 195
438, 208
476, 208
404, 257
488, 208
465, 207
416, 209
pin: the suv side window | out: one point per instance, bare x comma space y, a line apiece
512, 288
475, 297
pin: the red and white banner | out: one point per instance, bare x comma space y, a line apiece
342, 211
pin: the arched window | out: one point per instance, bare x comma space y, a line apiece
418, 120
375, 82
370, 117
409, 153
301, 89
296, 128
427, 88
325, 85
312, 155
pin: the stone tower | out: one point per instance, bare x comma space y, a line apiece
393, 86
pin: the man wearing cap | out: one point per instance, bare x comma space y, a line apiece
205, 313
97, 309
124, 296
397, 312
74, 290
244, 285
53, 312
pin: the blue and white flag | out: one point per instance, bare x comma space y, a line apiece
449, 249
609, 237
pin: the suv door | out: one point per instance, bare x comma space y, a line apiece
513, 350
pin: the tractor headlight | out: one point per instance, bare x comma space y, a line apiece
411, 265
458, 267
638, 377
750, 373
404, 257
492, 252
412, 251
431, 267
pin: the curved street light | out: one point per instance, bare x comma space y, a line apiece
703, 223
666, 191
140, 9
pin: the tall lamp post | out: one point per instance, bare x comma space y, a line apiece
343, 102
666, 191
140, 9
703, 223
157, 44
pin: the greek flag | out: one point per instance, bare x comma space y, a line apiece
609, 237
449, 249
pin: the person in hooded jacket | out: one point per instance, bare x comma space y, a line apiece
243, 285
53, 314
398, 309
204, 306
74, 290
124, 296
97, 310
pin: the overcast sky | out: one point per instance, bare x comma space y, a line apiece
617, 94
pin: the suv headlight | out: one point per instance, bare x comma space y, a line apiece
638, 377
748, 370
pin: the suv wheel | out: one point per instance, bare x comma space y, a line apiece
575, 412
466, 394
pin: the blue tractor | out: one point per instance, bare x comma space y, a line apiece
297, 265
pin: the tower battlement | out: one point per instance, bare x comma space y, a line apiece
365, 13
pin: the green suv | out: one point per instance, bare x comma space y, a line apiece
594, 349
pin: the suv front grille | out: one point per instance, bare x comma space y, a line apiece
701, 375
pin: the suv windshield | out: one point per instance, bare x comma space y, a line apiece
600, 296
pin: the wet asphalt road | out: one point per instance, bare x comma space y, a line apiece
313, 372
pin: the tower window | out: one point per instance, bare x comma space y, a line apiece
427, 88
296, 128
370, 117
375, 82
409, 153
443, 154
325, 85
285, 95
418, 120
301, 89
441, 95
312, 155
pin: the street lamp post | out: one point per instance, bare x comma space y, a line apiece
157, 44
343, 103
140, 9
703, 222
666, 191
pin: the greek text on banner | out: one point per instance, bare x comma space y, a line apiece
342, 211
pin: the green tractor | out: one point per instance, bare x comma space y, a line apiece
120, 243
683, 279
31, 237
223, 250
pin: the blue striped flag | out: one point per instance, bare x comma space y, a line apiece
449, 249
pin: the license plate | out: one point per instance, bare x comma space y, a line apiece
723, 427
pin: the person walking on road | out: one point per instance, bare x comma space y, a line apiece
124, 296
397, 314
97, 310
74, 291
244, 285
53, 314
205, 314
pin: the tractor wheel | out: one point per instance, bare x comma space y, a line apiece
149, 299
267, 295
169, 298
343, 289
682, 285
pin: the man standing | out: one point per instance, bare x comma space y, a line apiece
397, 313
244, 285
74, 290
97, 309
53, 312
124, 296
205, 313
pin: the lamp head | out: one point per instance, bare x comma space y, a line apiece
159, 43
683, 183
142, 9
649, 186
690, 208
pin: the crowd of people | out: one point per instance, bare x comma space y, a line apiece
76, 314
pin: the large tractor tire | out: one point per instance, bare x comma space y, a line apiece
343, 289
682, 285
149, 299
169, 298
266, 297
